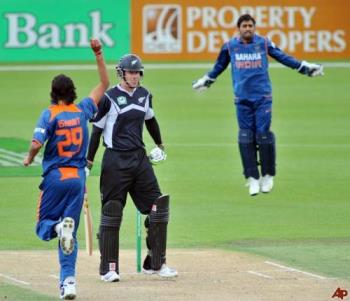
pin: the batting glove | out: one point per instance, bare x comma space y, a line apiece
157, 155
310, 69
203, 83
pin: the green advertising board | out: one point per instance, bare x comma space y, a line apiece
50, 30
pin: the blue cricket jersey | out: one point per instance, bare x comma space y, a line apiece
65, 129
249, 66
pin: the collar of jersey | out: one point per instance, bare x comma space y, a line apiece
251, 41
127, 92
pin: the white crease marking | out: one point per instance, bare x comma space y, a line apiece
14, 279
259, 274
290, 269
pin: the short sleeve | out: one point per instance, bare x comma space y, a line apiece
149, 111
88, 106
103, 108
41, 131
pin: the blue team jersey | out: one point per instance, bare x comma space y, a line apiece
65, 129
249, 66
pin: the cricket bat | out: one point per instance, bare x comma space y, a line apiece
88, 225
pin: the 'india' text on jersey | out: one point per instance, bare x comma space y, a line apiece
249, 66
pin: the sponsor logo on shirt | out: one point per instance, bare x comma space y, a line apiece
248, 60
248, 56
141, 99
121, 100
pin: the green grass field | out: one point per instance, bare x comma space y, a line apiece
304, 222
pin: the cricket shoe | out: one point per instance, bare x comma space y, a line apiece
65, 234
266, 183
254, 186
164, 271
111, 276
68, 291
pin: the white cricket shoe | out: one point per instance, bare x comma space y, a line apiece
165, 272
65, 234
111, 276
68, 291
266, 183
254, 186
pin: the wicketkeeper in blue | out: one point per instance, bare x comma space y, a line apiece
248, 55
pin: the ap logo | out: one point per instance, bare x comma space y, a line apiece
340, 293
161, 28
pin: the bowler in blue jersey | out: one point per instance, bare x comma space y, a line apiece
248, 55
62, 128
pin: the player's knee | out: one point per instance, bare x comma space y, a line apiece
267, 137
245, 136
112, 214
160, 210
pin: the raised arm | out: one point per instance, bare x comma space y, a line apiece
100, 89
302, 67
220, 65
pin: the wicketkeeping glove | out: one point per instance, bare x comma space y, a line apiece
203, 83
310, 69
157, 155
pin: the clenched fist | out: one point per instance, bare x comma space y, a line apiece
96, 46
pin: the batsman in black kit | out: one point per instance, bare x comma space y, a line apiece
126, 168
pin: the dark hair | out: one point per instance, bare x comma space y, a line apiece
62, 88
245, 17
